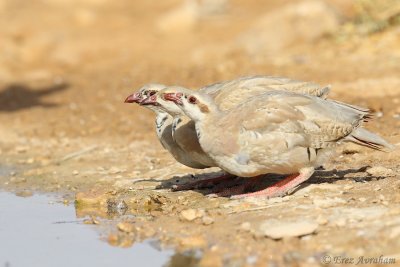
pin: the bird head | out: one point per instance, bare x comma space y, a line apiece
143, 93
194, 104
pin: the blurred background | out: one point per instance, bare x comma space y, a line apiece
67, 65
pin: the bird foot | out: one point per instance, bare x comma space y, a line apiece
280, 188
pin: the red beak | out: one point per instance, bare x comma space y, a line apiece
173, 97
133, 98
151, 100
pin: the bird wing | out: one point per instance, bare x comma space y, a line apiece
311, 121
229, 94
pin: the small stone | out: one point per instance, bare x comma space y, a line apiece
245, 226
341, 222
113, 239
24, 193
115, 170
362, 199
75, 172
321, 220
21, 149
207, 220
328, 202
189, 215
92, 220
125, 227
276, 229
348, 187
380, 171
192, 242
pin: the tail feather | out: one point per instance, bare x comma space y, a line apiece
364, 137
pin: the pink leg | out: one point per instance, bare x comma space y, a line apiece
202, 183
281, 187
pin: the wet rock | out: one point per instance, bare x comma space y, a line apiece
380, 171
91, 198
276, 229
125, 227
116, 206
24, 193
295, 21
120, 240
211, 259
192, 242
91, 220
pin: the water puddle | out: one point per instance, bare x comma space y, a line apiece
31, 234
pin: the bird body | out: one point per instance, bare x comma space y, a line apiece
228, 95
276, 132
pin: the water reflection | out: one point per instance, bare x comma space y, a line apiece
36, 233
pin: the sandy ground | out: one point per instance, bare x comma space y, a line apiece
67, 66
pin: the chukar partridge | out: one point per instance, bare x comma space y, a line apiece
226, 95
277, 132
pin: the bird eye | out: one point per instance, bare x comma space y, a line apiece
192, 99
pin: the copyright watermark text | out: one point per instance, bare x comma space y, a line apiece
329, 259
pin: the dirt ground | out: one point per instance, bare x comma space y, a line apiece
67, 66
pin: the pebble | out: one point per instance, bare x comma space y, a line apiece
348, 187
328, 202
380, 171
191, 214
24, 193
245, 226
207, 220
341, 222
321, 220
125, 227
75, 172
276, 229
